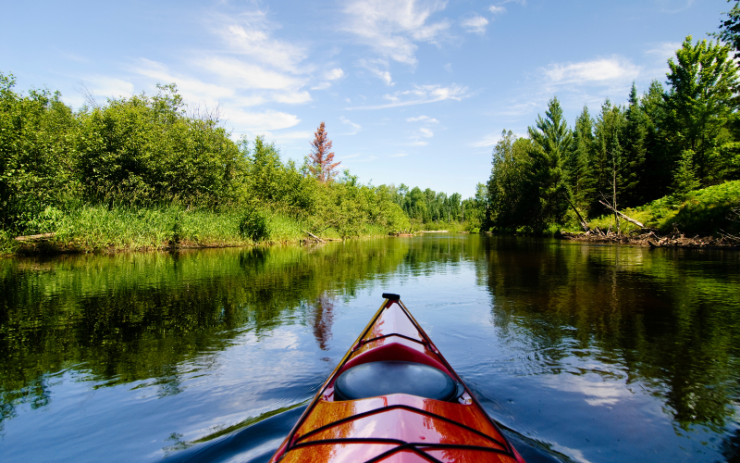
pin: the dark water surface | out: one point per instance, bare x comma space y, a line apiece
585, 353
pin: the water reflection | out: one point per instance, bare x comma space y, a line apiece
664, 320
143, 352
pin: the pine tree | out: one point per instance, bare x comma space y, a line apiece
320, 159
658, 172
577, 161
607, 161
551, 139
700, 104
635, 152
684, 178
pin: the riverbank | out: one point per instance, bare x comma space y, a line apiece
103, 230
705, 218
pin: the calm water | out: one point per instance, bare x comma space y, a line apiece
584, 353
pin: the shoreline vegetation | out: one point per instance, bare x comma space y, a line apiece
663, 170
150, 173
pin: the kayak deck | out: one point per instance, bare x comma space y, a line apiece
396, 427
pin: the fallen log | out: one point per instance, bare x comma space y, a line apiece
625, 217
314, 236
43, 236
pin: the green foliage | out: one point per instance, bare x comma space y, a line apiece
684, 180
36, 157
665, 143
254, 225
145, 150
699, 105
551, 140
701, 211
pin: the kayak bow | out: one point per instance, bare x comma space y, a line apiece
394, 398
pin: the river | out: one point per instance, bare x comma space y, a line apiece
583, 353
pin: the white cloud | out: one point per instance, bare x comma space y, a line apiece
109, 87
448, 67
425, 132
334, 74
419, 143
488, 140
392, 26
663, 51
475, 25
357, 159
421, 94
247, 75
374, 66
605, 70
250, 34
495, 9
426, 119
356, 127
399, 155
191, 89
259, 122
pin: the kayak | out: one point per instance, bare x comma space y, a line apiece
394, 398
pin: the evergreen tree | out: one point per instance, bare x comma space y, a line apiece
700, 105
658, 173
684, 179
551, 139
607, 160
635, 152
577, 161
321, 163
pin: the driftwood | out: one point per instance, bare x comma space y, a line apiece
43, 236
625, 217
651, 239
314, 237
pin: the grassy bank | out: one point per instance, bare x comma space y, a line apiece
702, 212
100, 229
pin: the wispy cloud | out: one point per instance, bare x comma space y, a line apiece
496, 9
250, 34
421, 94
475, 24
488, 140
663, 51
374, 66
605, 70
259, 121
356, 127
391, 27
399, 155
426, 119
108, 87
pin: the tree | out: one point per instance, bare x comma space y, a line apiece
551, 139
657, 174
634, 152
700, 105
730, 29
577, 160
321, 163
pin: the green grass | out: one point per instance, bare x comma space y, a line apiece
99, 229
704, 212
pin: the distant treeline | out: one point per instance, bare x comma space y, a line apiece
148, 152
666, 142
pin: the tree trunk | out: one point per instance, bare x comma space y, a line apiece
627, 218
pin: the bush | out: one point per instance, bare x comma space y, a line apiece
254, 225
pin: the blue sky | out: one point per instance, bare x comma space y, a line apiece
412, 91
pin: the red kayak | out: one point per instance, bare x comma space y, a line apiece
394, 398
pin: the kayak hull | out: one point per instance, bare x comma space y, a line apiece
397, 427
